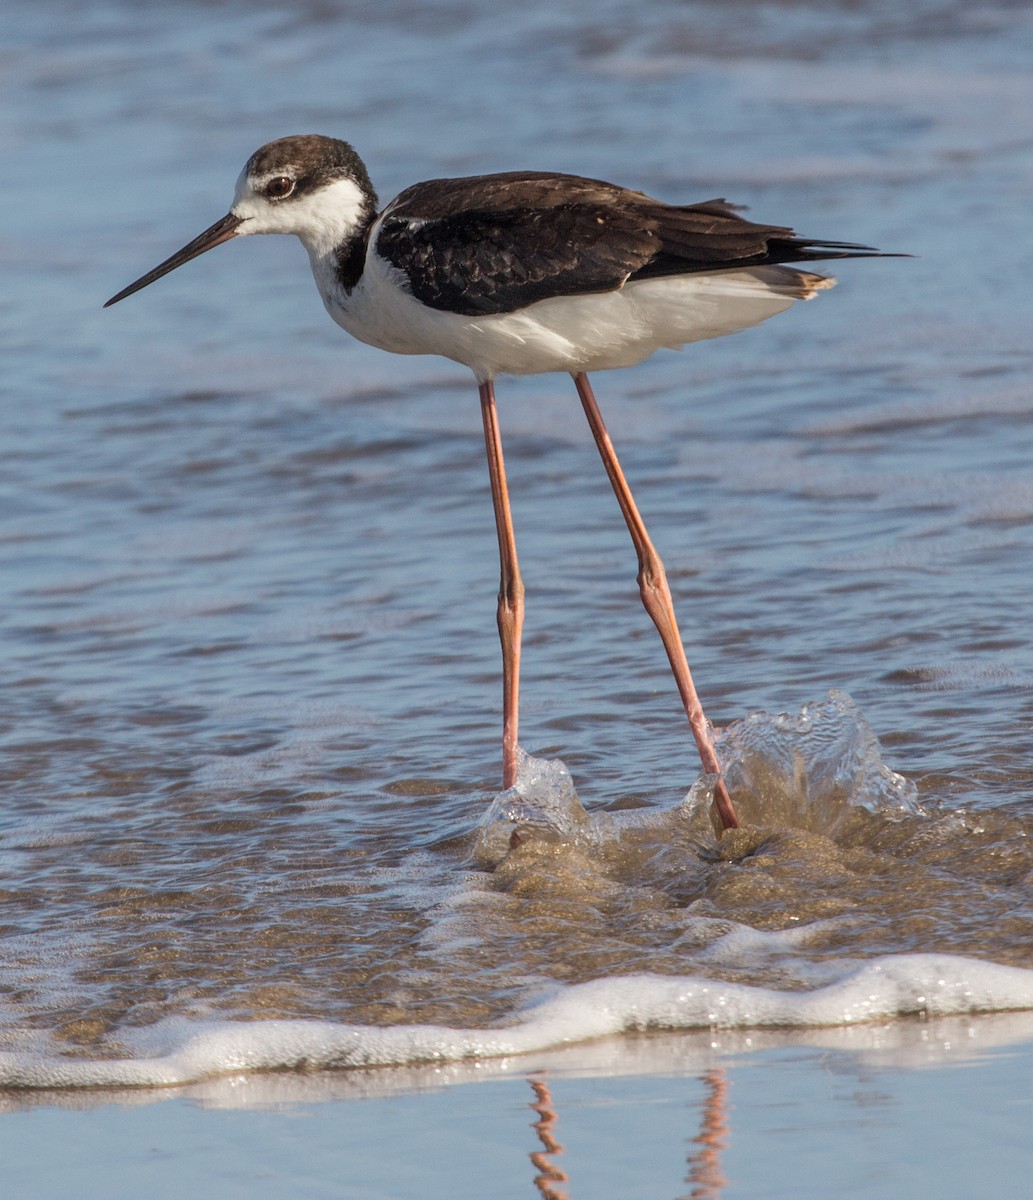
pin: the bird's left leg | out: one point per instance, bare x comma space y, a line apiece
511, 586
656, 596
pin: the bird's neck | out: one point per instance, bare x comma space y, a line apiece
333, 217
336, 243
349, 258
338, 268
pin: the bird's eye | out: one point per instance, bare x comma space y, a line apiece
279, 188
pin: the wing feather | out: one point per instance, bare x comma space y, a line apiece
495, 243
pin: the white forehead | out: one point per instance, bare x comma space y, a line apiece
247, 183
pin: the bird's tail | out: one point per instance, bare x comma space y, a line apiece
794, 249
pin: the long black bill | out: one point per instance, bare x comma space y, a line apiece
220, 232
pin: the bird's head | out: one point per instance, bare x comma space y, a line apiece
312, 186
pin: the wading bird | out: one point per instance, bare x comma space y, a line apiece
523, 273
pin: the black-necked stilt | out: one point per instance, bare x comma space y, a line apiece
523, 273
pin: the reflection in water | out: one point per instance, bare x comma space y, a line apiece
705, 1176
549, 1174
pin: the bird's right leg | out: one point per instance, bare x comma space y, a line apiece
511, 586
656, 596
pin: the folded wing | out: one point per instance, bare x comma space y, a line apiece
497, 243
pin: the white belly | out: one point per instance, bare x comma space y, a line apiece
569, 333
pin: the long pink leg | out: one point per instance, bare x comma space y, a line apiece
511, 586
656, 596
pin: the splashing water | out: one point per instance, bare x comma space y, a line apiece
806, 771
811, 769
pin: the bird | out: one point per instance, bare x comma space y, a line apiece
525, 273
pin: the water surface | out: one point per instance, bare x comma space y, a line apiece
250, 702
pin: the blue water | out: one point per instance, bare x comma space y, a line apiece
249, 678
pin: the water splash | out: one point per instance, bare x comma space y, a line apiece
809, 770
543, 804
806, 771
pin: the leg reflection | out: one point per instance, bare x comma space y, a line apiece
549, 1174
705, 1176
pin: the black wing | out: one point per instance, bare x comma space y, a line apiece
496, 243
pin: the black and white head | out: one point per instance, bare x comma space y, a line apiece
312, 186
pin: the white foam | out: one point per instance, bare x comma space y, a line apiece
178, 1051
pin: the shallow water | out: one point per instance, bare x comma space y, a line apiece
250, 703
909, 1108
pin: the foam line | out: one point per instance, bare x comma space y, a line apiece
178, 1051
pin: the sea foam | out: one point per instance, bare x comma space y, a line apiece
178, 1051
